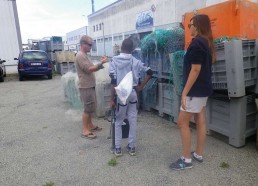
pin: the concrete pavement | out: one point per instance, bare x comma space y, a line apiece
40, 142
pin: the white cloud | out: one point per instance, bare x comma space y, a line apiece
37, 20
43, 18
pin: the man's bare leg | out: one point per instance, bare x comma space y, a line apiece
86, 122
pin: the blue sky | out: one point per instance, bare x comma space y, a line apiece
43, 18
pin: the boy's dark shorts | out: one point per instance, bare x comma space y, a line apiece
88, 98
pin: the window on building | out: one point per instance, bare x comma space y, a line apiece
93, 28
116, 38
94, 46
99, 26
106, 39
110, 38
120, 37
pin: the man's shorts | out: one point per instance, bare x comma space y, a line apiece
194, 104
88, 98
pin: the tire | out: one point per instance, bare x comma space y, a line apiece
4, 71
21, 78
49, 76
2, 78
1, 75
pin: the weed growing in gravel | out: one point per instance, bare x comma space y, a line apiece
49, 184
112, 162
224, 165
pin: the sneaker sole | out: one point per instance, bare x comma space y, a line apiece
113, 152
118, 155
132, 154
182, 168
194, 158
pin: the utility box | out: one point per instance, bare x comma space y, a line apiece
233, 18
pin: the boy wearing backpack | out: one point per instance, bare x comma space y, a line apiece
118, 68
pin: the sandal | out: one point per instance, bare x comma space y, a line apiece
96, 129
88, 136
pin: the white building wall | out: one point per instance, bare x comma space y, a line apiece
10, 36
73, 38
119, 18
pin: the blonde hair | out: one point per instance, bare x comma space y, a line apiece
85, 38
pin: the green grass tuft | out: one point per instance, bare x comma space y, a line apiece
50, 183
224, 165
112, 162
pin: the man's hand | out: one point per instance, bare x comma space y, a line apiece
112, 104
139, 88
104, 59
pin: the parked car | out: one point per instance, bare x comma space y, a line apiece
2, 70
34, 63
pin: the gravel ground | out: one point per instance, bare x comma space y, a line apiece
40, 142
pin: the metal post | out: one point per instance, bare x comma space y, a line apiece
92, 6
104, 39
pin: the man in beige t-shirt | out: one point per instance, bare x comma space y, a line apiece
85, 69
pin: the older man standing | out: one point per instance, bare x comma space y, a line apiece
85, 69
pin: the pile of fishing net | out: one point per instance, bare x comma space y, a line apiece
102, 88
71, 91
176, 70
163, 40
150, 93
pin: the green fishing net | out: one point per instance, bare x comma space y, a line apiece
150, 94
163, 40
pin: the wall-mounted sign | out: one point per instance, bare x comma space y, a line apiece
144, 19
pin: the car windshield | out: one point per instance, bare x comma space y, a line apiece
34, 56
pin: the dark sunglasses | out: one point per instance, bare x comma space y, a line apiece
90, 45
189, 25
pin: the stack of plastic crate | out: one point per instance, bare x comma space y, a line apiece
170, 101
168, 71
232, 111
235, 69
65, 62
103, 94
150, 96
